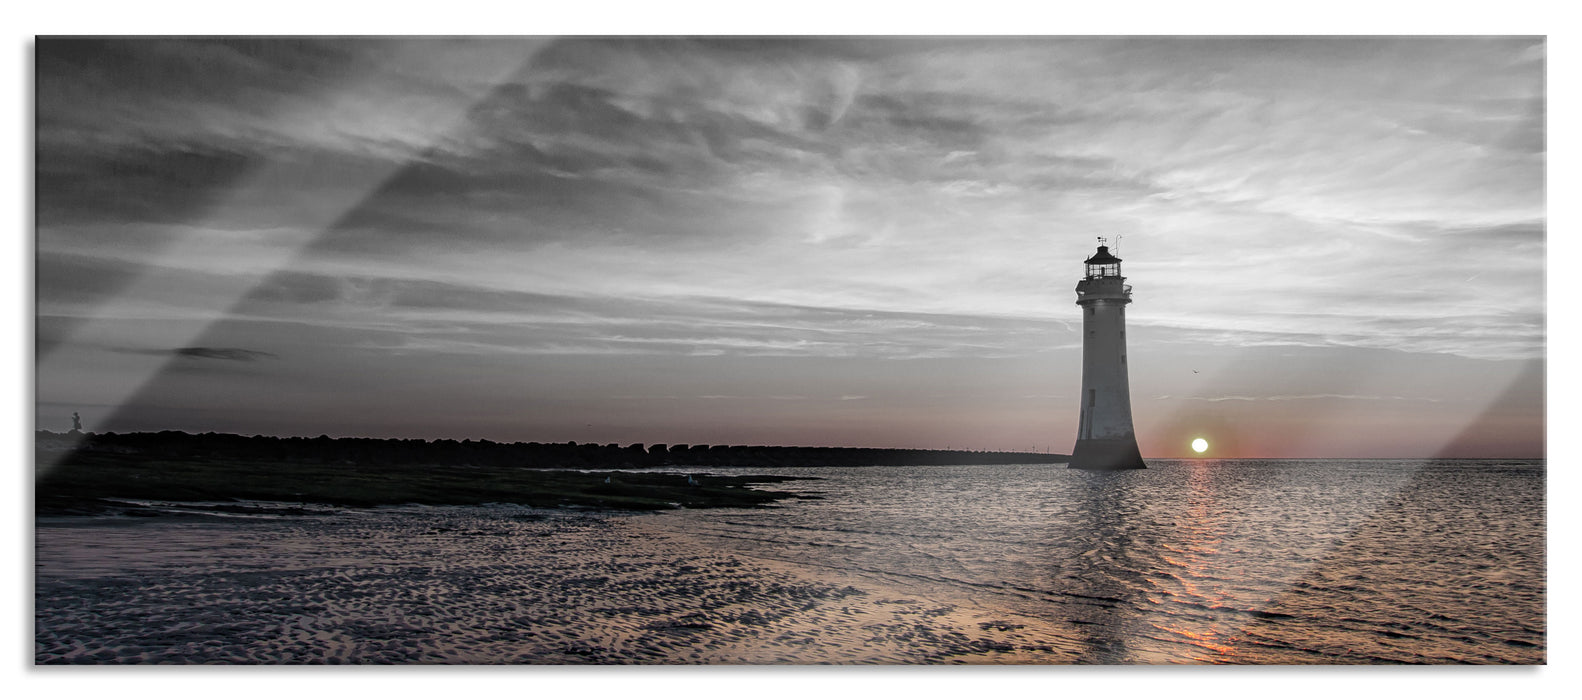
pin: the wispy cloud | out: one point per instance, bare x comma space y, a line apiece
1301, 397
231, 354
201, 353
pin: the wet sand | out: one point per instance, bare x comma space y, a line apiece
477, 585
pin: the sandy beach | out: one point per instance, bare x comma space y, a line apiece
477, 585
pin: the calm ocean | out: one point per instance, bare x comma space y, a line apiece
1238, 561
1258, 562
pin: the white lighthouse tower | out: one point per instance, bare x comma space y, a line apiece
1104, 432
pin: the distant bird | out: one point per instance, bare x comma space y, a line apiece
691, 481
1194, 371
606, 480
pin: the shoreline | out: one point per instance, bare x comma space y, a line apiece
323, 449
96, 482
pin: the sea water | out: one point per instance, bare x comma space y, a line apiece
1197, 561
1192, 561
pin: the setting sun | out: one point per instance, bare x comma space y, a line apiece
1199, 445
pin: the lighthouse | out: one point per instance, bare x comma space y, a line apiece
1104, 430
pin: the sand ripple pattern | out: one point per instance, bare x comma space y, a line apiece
1251, 562
468, 586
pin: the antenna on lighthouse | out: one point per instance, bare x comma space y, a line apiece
1118, 244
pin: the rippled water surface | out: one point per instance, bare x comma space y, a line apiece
1239, 561
1341, 562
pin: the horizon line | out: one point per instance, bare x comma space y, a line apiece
38, 431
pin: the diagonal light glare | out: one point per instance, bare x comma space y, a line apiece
488, 65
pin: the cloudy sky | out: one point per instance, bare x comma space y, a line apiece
1336, 244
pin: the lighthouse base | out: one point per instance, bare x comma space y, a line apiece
1107, 454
